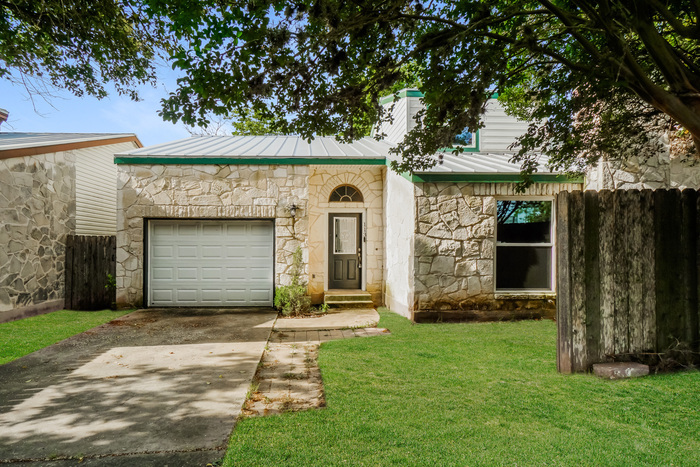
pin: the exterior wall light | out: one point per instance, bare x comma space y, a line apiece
293, 209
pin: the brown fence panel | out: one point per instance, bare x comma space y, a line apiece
89, 259
627, 275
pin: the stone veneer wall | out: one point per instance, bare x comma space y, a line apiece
454, 250
37, 209
369, 180
212, 192
657, 171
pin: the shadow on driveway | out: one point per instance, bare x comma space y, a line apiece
156, 381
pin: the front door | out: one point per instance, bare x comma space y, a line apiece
345, 251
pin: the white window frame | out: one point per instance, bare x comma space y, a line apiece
551, 244
468, 146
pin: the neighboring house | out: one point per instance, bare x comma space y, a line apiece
214, 221
51, 185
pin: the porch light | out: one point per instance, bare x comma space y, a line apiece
293, 209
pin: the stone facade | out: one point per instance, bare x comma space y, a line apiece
211, 192
454, 249
249, 192
37, 208
369, 180
656, 171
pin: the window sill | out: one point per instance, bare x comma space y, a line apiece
526, 295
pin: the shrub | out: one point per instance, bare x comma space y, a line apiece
292, 299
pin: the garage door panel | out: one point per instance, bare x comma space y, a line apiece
160, 251
212, 273
261, 295
237, 295
186, 295
165, 273
187, 230
233, 252
163, 294
212, 251
259, 273
164, 230
186, 273
209, 230
186, 251
236, 273
211, 263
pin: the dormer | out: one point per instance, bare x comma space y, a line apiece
499, 132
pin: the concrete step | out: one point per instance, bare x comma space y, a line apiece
348, 298
350, 303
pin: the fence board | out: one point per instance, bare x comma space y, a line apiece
564, 359
88, 261
620, 273
627, 279
578, 285
646, 259
635, 274
607, 264
591, 240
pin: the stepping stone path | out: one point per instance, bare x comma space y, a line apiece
288, 378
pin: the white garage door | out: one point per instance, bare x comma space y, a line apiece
210, 263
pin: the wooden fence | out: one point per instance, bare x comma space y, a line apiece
88, 261
627, 282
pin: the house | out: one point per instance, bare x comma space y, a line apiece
51, 185
214, 221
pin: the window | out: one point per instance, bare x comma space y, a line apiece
469, 140
346, 193
524, 245
466, 139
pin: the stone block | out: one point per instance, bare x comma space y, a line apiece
620, 370
439, 231
443, 265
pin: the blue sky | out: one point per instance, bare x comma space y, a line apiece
113, 114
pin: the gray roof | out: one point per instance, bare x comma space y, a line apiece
480, 163
265, 147
17, 140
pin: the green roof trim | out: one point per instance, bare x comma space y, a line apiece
488, 178
413, 93
156, 160
402, 94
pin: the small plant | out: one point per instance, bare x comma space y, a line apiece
292, 299
111, 282
111, 286
323, 308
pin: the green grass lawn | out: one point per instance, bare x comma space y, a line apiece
475, 394
19, 338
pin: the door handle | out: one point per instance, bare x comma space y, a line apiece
359, 258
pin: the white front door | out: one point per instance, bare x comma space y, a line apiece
210, 263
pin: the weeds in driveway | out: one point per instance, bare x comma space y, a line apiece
475, 394
22, 337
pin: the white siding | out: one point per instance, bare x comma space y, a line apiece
396, 130
96, 189
500, 130
399, 208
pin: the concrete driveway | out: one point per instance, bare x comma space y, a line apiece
155, 387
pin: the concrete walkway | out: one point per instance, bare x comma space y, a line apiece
334, 319
288, 377
156, 387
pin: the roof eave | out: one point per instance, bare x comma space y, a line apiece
48, 148
492, 177
257, 160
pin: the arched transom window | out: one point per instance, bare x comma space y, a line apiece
346, 194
